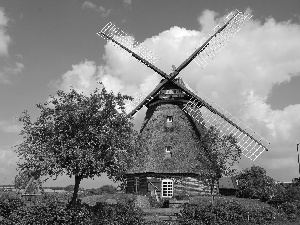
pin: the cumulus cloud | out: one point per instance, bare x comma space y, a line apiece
16, 69
82, 77
10, 127
100, 9
8, 165
7, 68
240, 78
127, 2
4, 37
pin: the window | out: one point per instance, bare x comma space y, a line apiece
167, 188
169, 119
168, 148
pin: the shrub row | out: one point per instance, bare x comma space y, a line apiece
230, 212
9, 203
51, 212
223, 212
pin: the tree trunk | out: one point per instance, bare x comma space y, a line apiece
76, 188
211, 193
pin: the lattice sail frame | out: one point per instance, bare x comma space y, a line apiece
251, 143
137, 98
111, 32
220, 39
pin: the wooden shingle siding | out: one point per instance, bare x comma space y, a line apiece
189, 185
192, 186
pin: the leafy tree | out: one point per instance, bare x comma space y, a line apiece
279, 194
216, 157
292, 193
78, 135
254, 183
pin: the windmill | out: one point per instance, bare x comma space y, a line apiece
33, 189
176, 114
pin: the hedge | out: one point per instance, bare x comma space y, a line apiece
229, 212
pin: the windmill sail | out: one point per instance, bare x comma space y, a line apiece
118, 37
233, 23
251, 143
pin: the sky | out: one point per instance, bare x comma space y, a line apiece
47, 46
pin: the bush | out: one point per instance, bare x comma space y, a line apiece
153, 202
51, 214
279, 195
9, 203
119, 214
50, 211
229, 212
290, 209
254, 183
293, 193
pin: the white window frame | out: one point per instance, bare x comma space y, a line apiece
168, 148
169, 119
167, 188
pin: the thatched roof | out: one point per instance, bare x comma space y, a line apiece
181, 134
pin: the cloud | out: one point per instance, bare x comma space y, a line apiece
83, 77
127, 2
7, 71
100, 9
8, 166
7, 68
240, 78
10, 127
4, 37
18, 67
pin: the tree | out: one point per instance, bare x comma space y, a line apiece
254, 183
280, 194
216, 158
292, 193
78, 135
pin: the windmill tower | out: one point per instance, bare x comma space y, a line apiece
170, 138
33, 189
176, 115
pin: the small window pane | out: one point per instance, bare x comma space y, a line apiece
168, 148
167, 188
169, 119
